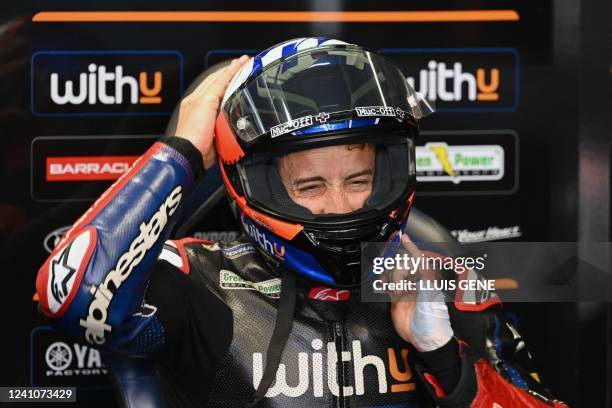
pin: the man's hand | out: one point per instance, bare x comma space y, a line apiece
198, 111
420, 318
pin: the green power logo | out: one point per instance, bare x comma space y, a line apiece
442, 162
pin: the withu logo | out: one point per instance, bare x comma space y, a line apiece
434, 83
272, 248
94, 84
462, 79
91, 83
311, 369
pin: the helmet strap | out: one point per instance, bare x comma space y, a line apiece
280, 334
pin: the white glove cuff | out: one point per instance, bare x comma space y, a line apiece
430, 328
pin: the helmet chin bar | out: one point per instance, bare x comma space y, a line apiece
346, 245
332, 256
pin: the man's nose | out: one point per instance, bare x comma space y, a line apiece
338, 203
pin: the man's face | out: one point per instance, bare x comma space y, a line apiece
329, 180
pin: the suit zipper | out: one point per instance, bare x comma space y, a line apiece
340, 342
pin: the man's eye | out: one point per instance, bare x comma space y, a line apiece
360, 183
309, 189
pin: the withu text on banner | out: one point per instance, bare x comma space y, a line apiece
105, 83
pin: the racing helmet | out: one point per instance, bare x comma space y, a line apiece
305, 94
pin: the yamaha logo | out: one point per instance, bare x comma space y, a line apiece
58, 356
68, 360
58, 362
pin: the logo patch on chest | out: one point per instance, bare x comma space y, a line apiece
230, 281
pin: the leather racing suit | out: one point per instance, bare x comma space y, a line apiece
205, 313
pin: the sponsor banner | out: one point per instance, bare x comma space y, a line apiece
462, 79
493, 233
217, 236
440, 162
93, 83
80, 168
231, 281
58, 361
467, 162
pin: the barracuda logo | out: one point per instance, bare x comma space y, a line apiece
399, 381
95, 324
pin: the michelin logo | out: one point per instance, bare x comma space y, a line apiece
95, 323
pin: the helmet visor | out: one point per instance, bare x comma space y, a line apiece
336, 181
319, 86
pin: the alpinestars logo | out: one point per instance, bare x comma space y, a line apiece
95, 323
329, 294
311, 369
61, 275
64, 268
